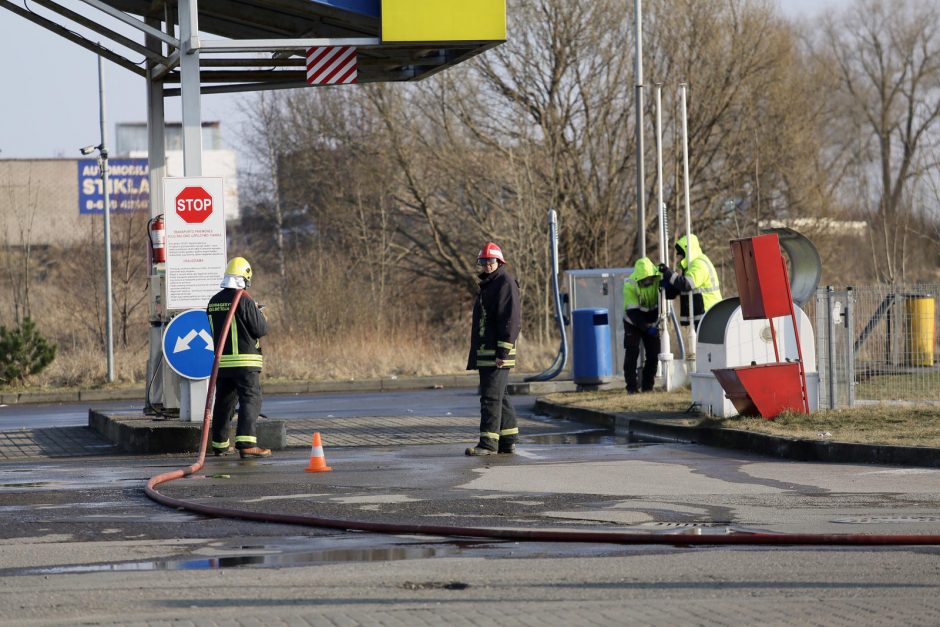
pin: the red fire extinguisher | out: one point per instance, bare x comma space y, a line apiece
157, 232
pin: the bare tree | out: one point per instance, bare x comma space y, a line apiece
885, 57
17, 226
129, 236
753, 114
265, 139
428, 172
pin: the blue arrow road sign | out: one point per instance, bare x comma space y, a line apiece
187, 344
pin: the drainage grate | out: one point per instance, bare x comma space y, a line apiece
881, 520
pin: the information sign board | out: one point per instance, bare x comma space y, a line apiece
195, 240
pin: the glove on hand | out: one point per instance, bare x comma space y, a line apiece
653, 331
663, 268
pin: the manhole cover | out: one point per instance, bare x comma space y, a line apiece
881, 520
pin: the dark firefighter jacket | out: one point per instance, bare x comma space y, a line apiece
242, 349
497, 320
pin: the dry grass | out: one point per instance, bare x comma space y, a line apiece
359, 356
902, 425
618, 401
356, 355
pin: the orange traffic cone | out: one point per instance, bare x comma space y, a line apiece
317, 460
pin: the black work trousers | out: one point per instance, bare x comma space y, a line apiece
244, 388
498, 427
632, 339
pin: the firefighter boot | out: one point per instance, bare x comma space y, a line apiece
253, 452
485, 447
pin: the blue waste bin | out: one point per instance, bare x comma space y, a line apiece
592, 361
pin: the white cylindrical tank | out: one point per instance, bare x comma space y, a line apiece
726, 340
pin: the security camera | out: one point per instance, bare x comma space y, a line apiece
87, 150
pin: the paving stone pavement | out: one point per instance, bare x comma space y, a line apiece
53, 442
812, 609
390, 431
347, 431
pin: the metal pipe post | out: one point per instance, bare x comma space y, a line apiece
683, 88
162, 387
105, 180
831, 348
640, 174
665, 355
189, 87
850, 345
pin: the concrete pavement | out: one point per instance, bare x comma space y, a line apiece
80, 542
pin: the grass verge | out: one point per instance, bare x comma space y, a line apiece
899, 425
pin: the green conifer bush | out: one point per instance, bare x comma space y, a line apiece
23, 352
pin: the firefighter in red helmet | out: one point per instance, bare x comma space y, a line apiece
496, 323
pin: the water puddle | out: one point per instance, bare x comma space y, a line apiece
258, 557
27, 484
700, 529
593, 436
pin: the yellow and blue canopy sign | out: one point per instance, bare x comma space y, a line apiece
439, 21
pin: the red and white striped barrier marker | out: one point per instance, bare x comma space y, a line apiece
332, 65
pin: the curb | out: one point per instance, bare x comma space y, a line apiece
672, 430
517, 386
141, 434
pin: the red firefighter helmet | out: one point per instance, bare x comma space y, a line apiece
491, 251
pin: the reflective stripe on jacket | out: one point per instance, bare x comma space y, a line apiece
242, 347
497, 320
698, 277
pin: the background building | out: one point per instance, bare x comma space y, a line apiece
55, 201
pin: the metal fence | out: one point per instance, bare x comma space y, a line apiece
876, 343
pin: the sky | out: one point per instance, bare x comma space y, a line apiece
50, 89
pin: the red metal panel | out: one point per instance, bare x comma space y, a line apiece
761, 275
765, 390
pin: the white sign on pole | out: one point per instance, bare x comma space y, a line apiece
195, 240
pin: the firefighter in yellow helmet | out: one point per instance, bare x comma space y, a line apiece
696, 275
239, 378
496, 324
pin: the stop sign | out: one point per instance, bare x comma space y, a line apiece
194, 204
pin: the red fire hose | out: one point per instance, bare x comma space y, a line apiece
206, 417
524, 535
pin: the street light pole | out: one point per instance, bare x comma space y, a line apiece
103, 167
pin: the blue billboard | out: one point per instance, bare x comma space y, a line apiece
129, 186
365, 7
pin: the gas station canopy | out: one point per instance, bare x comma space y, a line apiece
248, 45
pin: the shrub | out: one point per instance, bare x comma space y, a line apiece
23, 352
